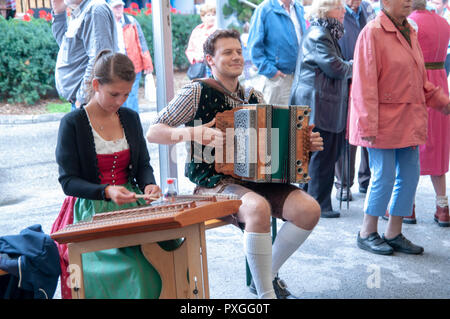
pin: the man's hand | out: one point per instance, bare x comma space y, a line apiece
207, 135
279, 73
58, 6
315, 139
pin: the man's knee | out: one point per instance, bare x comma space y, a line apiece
302, 209
313, 211
255, 212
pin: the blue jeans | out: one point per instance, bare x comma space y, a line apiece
395, 173
133, 99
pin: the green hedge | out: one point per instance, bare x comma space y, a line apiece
28, 54
182, 26
27, 60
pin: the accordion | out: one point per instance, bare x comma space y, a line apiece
265, 143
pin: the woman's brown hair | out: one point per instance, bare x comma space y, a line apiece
109, 66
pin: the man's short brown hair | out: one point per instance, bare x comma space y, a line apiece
209, 47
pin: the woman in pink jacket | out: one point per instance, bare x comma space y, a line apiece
388, 115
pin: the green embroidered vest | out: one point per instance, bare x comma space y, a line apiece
200, 170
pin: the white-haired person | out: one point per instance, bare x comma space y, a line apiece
321, 81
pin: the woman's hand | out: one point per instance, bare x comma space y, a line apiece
315, 139
119, 194
370, 139
153, 191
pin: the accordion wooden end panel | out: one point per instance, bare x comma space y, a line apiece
187, 210
265, 143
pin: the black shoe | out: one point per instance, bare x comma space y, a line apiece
281, 291
403, 245
345, 195
363, 190
330, 214
279, 286
375, 244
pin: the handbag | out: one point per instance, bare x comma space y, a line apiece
196, 70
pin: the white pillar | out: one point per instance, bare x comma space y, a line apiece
162, 41
219, 14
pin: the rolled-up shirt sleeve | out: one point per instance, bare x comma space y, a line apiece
182, 108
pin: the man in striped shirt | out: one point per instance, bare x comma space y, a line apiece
196, 107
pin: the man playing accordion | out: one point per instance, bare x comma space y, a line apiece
195, 107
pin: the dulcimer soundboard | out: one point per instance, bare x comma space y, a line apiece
185, 210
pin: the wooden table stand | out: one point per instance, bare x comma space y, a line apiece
175, 267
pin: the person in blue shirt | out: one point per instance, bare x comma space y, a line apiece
276, 29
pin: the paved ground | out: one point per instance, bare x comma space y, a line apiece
327, 266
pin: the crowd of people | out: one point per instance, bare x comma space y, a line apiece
94, 25
342, 72
373, 80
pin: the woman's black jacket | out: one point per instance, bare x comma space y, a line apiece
79, 174
321, 80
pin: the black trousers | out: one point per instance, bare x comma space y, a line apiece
321, 168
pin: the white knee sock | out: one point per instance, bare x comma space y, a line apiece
258, 250
288, 240
442, 201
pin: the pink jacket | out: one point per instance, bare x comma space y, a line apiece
390, 89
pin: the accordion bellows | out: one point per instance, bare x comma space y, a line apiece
265, 143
